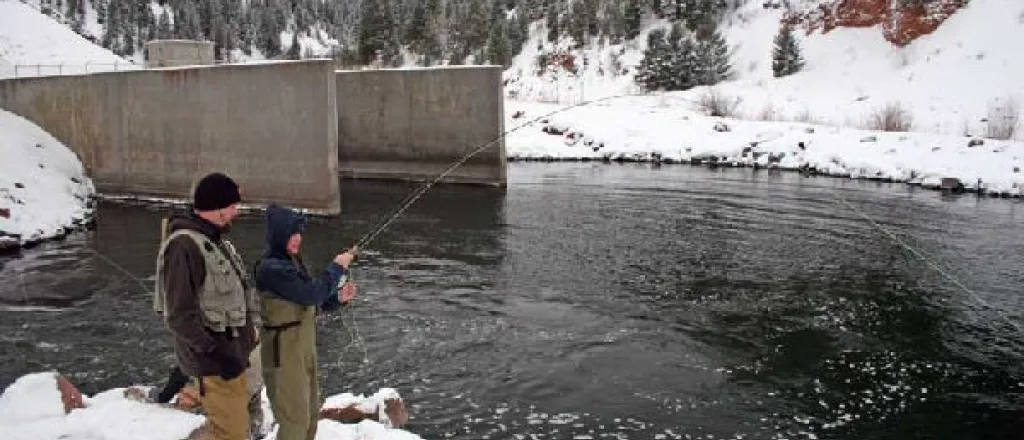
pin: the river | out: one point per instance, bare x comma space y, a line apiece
608, 301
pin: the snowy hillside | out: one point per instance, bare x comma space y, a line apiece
32, 44
948, 82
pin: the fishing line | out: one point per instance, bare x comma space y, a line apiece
415, 195
381, 226
928, 261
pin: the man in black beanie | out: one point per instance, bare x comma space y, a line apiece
207, 301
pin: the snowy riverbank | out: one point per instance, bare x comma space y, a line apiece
44, 192
33, 408
662, 128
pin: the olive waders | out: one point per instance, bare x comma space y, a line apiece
290, 370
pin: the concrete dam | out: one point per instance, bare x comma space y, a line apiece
286, 131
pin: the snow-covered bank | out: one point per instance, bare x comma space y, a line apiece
44, 191
31, 408
662, 128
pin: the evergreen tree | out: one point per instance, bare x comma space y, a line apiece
632, 18
375, 33
498, 47
163, 27
786, 56
713, 60
652, 73
576, 26
416, 32
553, 19
295, 50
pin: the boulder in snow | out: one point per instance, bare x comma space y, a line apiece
951, 184
70, 395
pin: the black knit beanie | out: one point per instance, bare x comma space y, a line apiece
215, 191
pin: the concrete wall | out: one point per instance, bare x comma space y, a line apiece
412, 124
175, 53
154, 132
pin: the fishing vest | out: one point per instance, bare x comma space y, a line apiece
225, 297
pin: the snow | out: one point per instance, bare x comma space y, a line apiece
32, 44
31, 408
54, 189
637, 128
948, 80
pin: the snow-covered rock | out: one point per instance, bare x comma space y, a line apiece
31, 409
44, 190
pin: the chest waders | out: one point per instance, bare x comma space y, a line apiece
290, 369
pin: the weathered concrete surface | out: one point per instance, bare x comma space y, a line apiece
153, 133
176, 53
413, 124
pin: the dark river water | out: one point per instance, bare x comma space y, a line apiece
604, 301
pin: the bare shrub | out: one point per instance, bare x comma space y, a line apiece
892, 117
1003, 119
714, 103
767, 112
804, 116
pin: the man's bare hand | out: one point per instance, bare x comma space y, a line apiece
344, 259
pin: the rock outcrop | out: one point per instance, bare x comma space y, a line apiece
902, 21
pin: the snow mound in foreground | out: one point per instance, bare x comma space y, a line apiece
31, 409
43, 187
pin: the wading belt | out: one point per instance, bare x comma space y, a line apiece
277, 329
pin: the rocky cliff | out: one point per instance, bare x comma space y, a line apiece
902, 21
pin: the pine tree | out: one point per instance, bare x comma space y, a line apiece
375, 33
632, 18
163, 27
651, 73
786, 56
295, 50
577, 24
497, 46
553, 20
713, 60
416, 30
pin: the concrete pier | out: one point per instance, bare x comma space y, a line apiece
152, 133
412, 124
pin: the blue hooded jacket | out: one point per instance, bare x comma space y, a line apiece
287, 277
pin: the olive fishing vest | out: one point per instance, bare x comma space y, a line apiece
225, 297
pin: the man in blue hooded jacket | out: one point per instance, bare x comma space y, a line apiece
290, 299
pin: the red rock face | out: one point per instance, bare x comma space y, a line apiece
902, 21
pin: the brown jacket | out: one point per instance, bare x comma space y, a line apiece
200, 351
